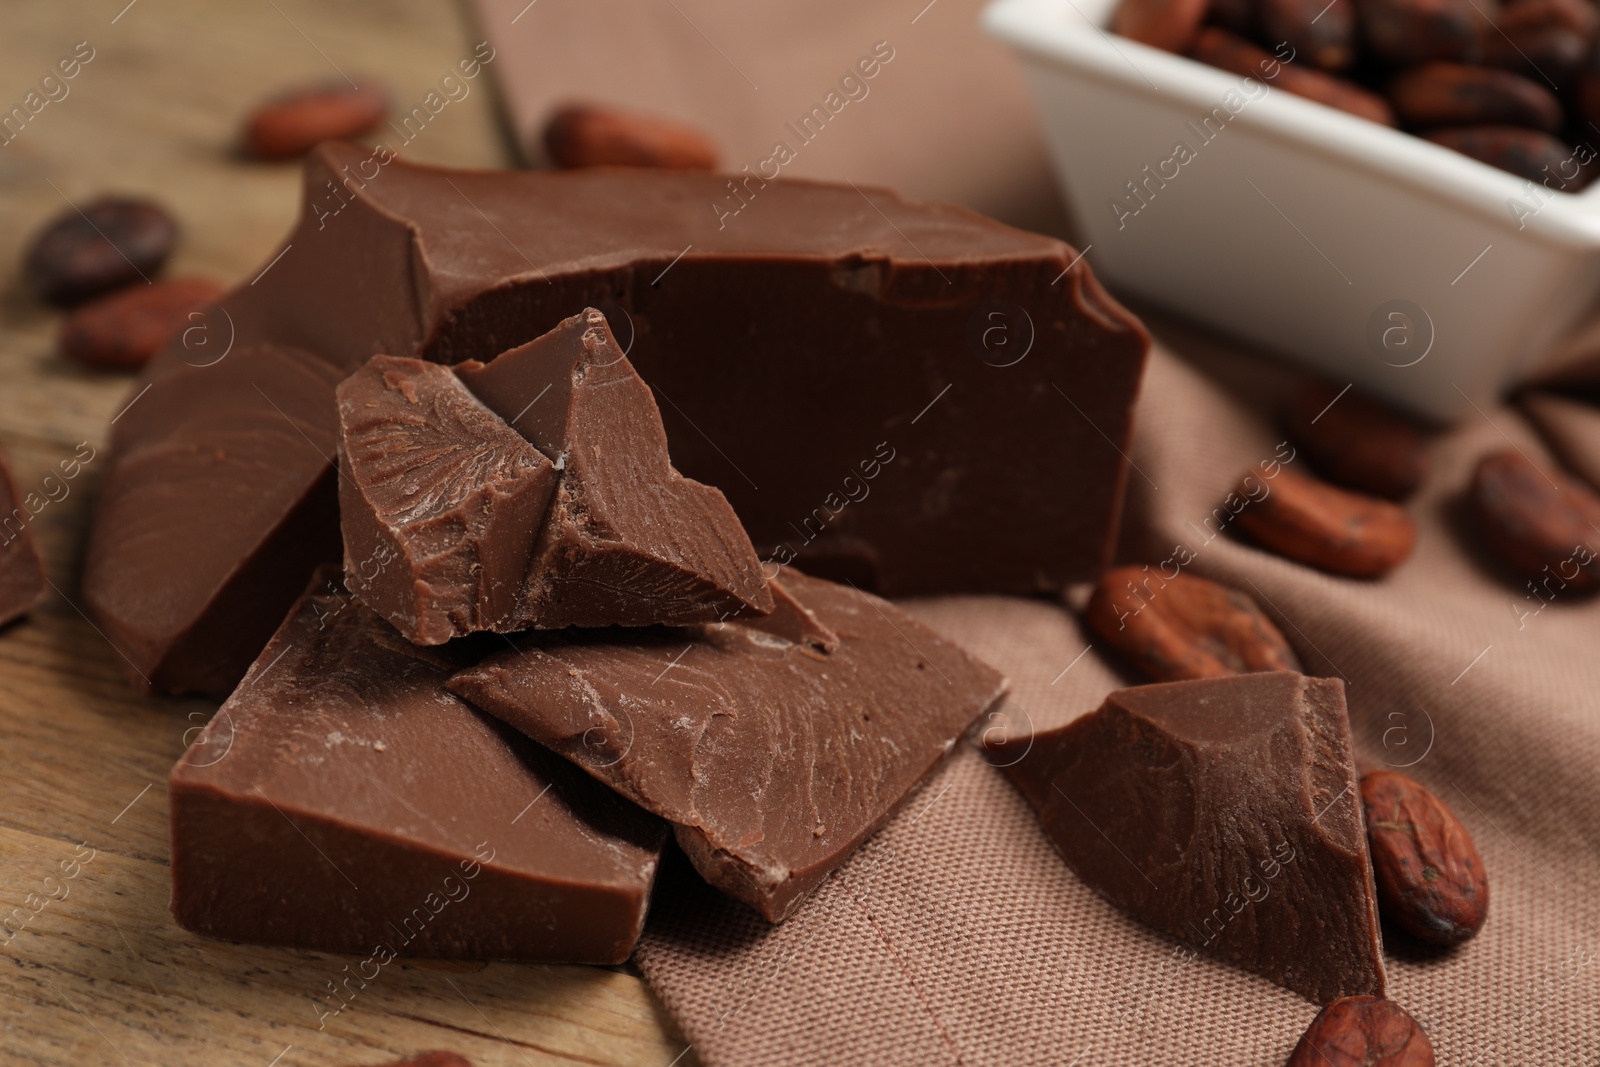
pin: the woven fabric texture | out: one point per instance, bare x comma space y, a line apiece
957, 936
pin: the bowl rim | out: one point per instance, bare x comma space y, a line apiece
1076, 41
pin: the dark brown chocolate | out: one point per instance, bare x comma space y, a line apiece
22, 582
342, 800
1224, 812
860, 374
628, 540
440, 502
774, 759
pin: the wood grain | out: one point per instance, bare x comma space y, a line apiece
92, 968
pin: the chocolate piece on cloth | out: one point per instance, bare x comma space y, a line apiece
773, 759
342, 800
1225, 812
440, 502
887, 368
628, 540
22, 581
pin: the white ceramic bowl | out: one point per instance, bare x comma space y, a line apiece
1370, 254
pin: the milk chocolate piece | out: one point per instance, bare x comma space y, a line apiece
773, 758
1224, 812
440, 501
22, 582
628, 541
342, 800
857, 372
219, 503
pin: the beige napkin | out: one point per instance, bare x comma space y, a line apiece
956, 935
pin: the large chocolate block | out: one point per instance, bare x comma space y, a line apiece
1224, 812
343, 800
775, 746
870, 381
21, 570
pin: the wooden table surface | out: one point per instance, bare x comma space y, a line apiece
99, 973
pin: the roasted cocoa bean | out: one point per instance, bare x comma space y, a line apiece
290, 125
1178, 627
1323, 526
1408, 32
1238, 16
1455, 94
1357, 441
1544, 39
1166, 24
1526, 153
1232, 53
591, 135
1363, 1032
1430, 878
122, 331
1321, 32
112, 242
1544, 525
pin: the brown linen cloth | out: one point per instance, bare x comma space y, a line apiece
956, 935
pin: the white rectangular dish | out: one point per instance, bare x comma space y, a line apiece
1367, 253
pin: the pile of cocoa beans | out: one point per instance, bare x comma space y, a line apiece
1512, 83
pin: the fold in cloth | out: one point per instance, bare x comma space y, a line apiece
957, 936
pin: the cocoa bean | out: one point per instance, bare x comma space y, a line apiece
1408, 32
1321, 32
1544, 525
1363, 1032
1232, 53
1323, 526
1526, 153
592, 135
122, 331
1545, 39
1358, 441
1165, 24
1455, 94
1178, 627
290, 125
1238, 16
1429, 876
112, 242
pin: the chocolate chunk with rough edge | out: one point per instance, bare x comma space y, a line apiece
879, 318
22, 581
1223, 812
773, 759
440, 502
342, 800
628, 541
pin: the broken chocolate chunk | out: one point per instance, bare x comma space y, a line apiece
628, 540
22, 581
440, 502
342, 800
220, 503
887, 364
1224, 812
773, 758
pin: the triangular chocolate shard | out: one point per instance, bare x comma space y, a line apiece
628, 540
774, 758
440, 501
1226, 813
